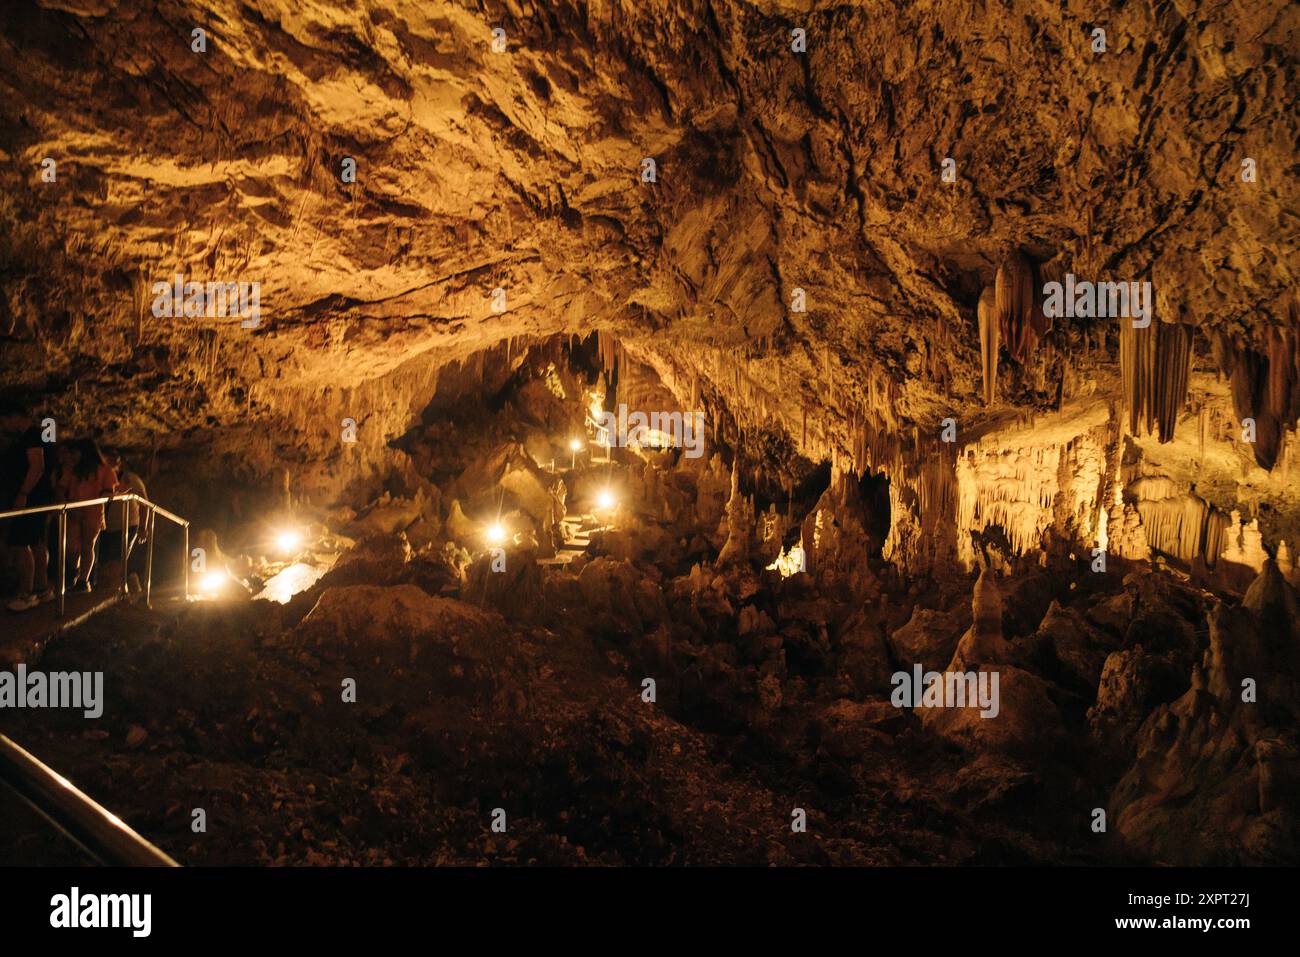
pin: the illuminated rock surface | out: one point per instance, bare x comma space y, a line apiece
1114, 524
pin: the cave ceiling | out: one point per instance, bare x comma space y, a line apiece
779, 174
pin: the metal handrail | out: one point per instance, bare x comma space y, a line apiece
82, 503
62, 508
102, 834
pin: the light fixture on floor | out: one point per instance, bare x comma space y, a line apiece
288, 541
574, 445
212, 583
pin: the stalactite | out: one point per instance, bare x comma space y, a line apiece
1155, 364
1013, 306
1281, 371
1174, 357
988, 345
1265, 388
1179, 524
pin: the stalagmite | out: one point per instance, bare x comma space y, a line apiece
738, 522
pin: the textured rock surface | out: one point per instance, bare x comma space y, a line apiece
1221, 756
521, 170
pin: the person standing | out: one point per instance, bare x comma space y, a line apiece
88, 476
115, 562
25, 483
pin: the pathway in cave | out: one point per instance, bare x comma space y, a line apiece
577, 539
26, 634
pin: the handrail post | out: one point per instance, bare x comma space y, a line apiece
63, 559
148, 563
185, 560
126, 525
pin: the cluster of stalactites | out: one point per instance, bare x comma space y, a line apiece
1178, 523
1265, 385
1010, 316
1155, 364
613, 363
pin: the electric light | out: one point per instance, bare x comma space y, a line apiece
496, 534
289, 540
605, 499
213, 582
575, 445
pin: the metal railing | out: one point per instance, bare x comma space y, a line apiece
83, 820
602, 436
62, 509
102, 834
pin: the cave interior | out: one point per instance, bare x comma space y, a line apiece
601, 413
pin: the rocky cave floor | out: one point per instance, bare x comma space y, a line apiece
521, 688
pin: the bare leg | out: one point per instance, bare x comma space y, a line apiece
88, 551
74, 551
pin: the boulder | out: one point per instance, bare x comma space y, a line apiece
865, 655
387, 517
379, 560
509, 582
1076, 650
1027, 723
620, 598
1026, 598
854, 729
1133, 682
928, 639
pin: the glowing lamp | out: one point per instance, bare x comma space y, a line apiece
496, 534
574, 445
289, 540
213, 582
605, 499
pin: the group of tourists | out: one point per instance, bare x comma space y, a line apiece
35, 472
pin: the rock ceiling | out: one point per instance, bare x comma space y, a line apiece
775, 171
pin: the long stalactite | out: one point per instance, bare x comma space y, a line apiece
1155, 364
